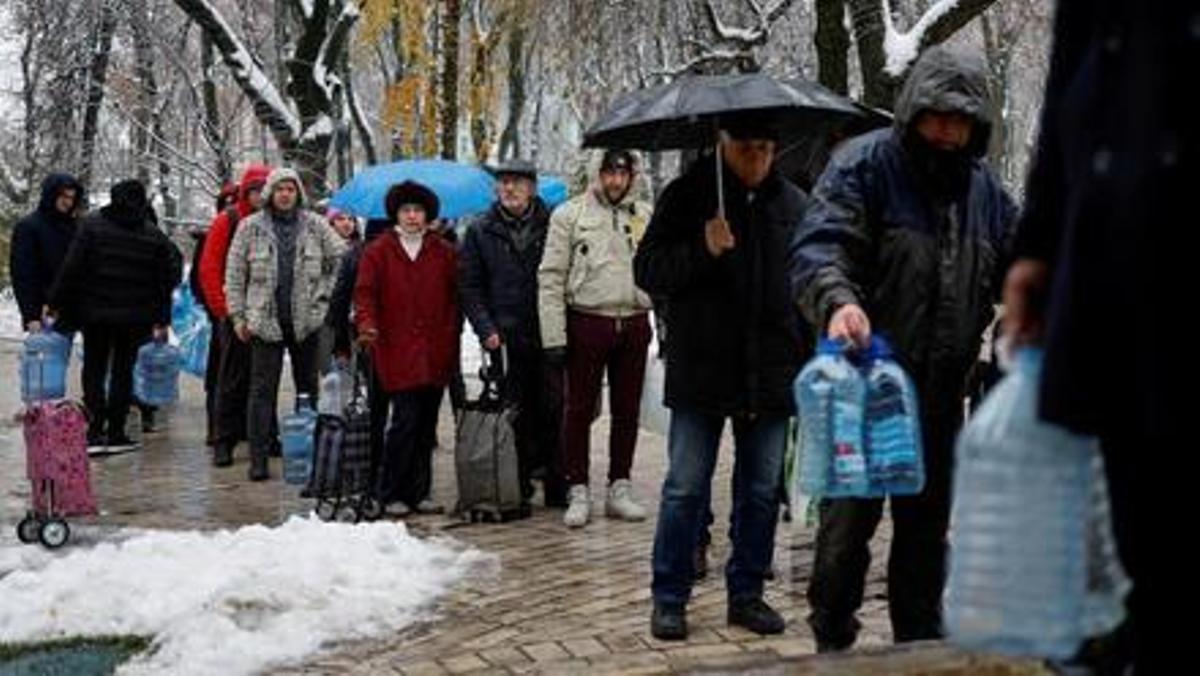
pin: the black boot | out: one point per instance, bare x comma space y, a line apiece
754, 614
668, 622
222, 454
259, 468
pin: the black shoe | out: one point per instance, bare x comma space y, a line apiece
554, 495
259, 468
668, 622
700, 562
96, 439
121, 440
222, 455
148, 426
754, 614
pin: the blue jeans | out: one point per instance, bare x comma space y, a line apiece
758, 460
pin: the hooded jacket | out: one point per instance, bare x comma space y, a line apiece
252, 274
39, 246
120, 269
916, 237
587, 264
220, 233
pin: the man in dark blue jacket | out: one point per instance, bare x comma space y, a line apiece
907, 236
498, 266
39, 246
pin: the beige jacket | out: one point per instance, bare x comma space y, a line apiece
588, 262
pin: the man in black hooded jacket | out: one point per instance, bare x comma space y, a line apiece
39, 246
906, 236
116, 283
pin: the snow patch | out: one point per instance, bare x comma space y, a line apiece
232, 601
901, 49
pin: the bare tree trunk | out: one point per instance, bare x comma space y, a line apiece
29, 93
147, 93
98, 72
510, 139
451, 24
879, 89
365, 137
833, 45
212, 126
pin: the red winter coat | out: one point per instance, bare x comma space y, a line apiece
413, 306
216, 243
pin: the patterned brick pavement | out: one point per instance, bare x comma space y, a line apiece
564, 602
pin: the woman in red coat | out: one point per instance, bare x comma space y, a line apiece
405, 311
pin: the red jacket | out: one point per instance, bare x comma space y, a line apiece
216, 244
414, 308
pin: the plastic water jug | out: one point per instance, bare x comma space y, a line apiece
830, 396
156, 374
297, 430
44, 359
895, 460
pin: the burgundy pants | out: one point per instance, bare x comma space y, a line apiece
594, 344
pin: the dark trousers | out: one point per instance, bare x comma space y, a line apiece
596, 344
406, 472
110, 351
538, 392
212, 373
266, 366
233, 386
916, 564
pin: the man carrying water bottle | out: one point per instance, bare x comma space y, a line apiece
906, 236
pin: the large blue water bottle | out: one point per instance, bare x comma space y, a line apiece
830, 395
1029, 569
44, 358
895, 461
297, 430
156, 374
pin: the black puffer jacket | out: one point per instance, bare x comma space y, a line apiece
121, 268
917, 238
39, 246
497, 280
735, 337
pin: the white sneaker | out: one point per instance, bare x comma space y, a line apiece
621, 505
579, 507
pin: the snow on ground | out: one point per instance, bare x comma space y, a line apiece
10, 316
232, 602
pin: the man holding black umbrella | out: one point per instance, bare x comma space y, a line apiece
735, 348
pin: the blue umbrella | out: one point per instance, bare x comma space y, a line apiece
461, 188
552, 189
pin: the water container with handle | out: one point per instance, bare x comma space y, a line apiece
1032, 567
895, 460
830, 395
44, 358
337, 388
297, 430
156, 373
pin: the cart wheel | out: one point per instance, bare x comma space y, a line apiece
326, 510
27, 530
54, 533
347, 513
370, 508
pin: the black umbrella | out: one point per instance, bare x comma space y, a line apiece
687, 112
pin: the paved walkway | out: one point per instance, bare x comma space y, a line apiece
565, 601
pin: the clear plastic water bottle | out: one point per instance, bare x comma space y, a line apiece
297, 431
1021, 548
336, 391
830, 396
156, 374
44, 358
895, 460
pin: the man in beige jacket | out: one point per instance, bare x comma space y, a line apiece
593, 318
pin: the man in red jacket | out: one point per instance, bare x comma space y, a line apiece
406, 311
233, 381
